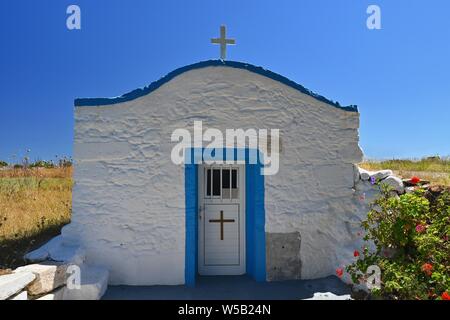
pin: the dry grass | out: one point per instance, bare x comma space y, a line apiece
39, 173
34, 205
435, 170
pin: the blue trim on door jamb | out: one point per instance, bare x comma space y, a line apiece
255, 217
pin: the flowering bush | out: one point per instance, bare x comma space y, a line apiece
412, 248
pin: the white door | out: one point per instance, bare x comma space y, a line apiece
221, 220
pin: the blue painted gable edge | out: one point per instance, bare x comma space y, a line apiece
82, 102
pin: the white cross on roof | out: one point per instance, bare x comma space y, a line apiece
223, 41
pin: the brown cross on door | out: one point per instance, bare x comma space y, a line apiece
221, 221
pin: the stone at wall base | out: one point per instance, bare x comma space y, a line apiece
329, 296
382, 174
49, 276
283, 256
396, 183
11, 284
364, 174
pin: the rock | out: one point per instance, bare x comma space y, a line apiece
11, 284
20, 296
56, 250
58, 294
378, 175
329, 296
395, 182
49, 276
360, 295
5, 271
365, 174
434, 192
382, 174
410, 189
94, 281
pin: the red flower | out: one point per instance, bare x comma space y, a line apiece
445, 296
427, 268
356, 253
415, 180
339, 272
420, 228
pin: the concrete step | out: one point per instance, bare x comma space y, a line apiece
20, 296
94, 282
54, 295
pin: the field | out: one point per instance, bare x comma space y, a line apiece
435, 170
34, 205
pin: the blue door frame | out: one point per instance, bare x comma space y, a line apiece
255, 214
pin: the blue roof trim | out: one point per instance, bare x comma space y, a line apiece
81, 102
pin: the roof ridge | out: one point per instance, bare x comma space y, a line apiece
134, 94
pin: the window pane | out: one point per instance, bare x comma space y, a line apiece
216, 182
234, 184
208, 182
234, 179
226, 178
226, 183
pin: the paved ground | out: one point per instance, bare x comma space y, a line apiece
231, 287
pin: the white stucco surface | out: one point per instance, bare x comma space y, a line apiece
128, 199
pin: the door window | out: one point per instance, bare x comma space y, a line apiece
221, 182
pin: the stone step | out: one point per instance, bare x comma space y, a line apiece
94, 282
11, 284
58, 294
20, 296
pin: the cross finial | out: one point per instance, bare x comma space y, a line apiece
223, 41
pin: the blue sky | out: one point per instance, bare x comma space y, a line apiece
398, 76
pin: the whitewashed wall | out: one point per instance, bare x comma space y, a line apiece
128, 200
